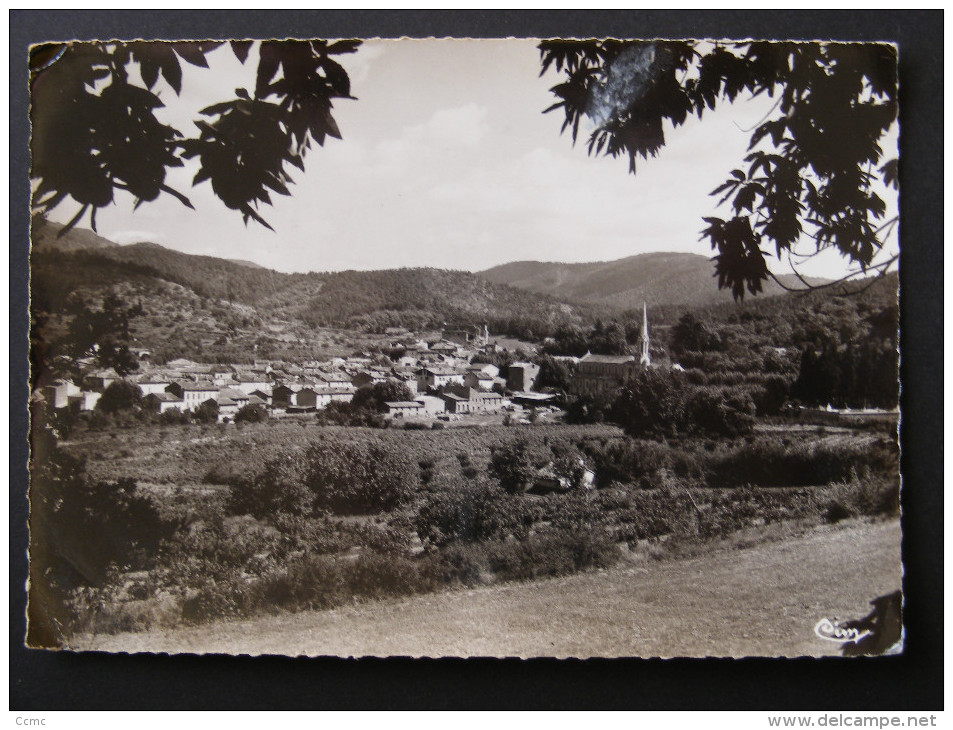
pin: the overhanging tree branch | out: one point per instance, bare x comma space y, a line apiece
95, 129
811, 158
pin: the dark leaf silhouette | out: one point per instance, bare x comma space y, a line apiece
810, 160
241, 49
95, 129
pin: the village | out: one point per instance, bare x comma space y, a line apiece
445, 375
442, 372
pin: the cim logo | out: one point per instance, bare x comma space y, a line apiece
833, 631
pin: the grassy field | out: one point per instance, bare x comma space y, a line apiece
730, 601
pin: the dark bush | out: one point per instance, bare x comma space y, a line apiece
207, 412
650, 406
661, 403
863, 495
212, 550
360, 478
714, 412
511, 466
279, 487
119, 396
590, 409
771, 462
227, 599
555, 552
173, 417
470, 513
457, 564
251, 414
98, 524
837, 511
318, 582
322, 536
628, 460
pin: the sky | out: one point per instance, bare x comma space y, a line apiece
447, 161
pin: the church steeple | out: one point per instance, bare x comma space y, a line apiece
645, 359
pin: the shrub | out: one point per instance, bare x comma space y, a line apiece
225, 599
863, 495
511, 466
312, 582
98, 524
657, 513
629, 460
207, 412
774, 463
710, 411
316, 582
555, 552
457, 564
119, 396
474, 512
660, 403
251, 414
360, 478
320, 536
575, 511
173, 417
279, 487
106, 611
589, 409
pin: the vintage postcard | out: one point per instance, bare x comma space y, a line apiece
522, 347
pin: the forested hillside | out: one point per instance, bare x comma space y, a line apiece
430, 297
203, 307
660, 279
192, 302
836, 346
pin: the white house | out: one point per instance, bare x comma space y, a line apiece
57, 393
84, 400
151, 384
164, 401
193, 394
437, 376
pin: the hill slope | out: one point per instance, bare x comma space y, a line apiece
661, 279
191, 299
45, 237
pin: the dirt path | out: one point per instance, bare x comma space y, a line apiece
763, 600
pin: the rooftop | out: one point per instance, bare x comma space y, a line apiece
613, 359
206, 387
442, 370
233, 394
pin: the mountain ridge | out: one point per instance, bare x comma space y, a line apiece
227, 302
659, 278
203, 307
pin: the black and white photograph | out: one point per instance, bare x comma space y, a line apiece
449, 347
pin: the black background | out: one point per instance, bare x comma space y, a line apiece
65, 681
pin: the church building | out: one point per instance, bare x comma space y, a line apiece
599, 374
